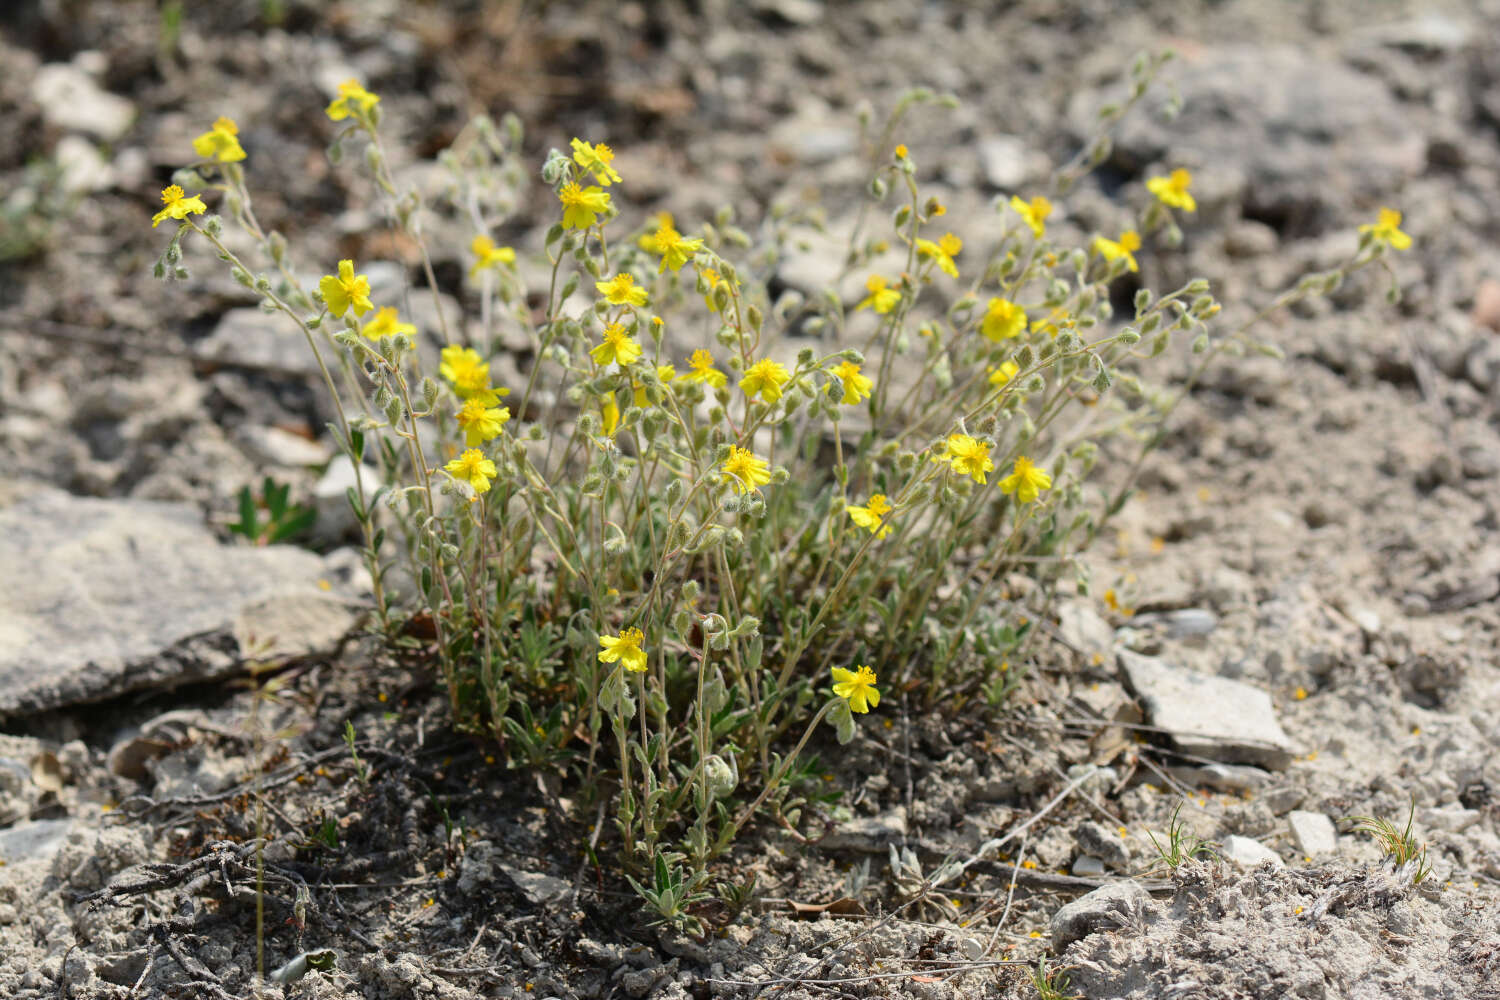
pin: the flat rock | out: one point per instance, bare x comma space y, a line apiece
112, 596
1109, 907
250, 336
1209, 716
871, 834
1314, 832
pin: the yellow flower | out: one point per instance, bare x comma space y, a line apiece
1003, 320
702, 364
1058, 318
765, 379
1002, 375
221, 142
942, 252
857, 687
713, 280
674, 248
901, 151
1173, 190
617, 346
178, 206
385, 324
621, 290
596, 160
856, 386
469, 374
347, 291
745, 471
1026, 481
1386, 230
1034, 213
487, 255
661, 220
1122, 249
582, 206
473, 468
480, 421
609, 410
882, 298
352, 100
968, 456
626, 647
665, 373
872, 515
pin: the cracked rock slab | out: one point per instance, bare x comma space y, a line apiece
105, 597
1208, 716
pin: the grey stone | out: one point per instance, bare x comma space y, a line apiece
1082, 628
540, 888
1095, 840
1212, 717
1222, 777
869, 834
1248, 853
336, 519
37, 840
1008, 163
1431, 33
251, 337
1190, 623
1110, 907
84, 168
1313, 832
798, 12
1087, 866
1452, 819
274, 446
70, 99
112, 596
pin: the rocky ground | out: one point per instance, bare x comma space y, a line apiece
1314, 564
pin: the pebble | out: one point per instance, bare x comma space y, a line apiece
84, 167
1222, 777
1007, 162
1087, 866
1083, 629
1248, 853
1313, 832
1190, 623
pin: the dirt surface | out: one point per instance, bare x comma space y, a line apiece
1323, 528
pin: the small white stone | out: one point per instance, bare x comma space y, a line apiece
1249, 853
1314, 832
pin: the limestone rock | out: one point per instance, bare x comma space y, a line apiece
1209, 716
1108, 908
112, 596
